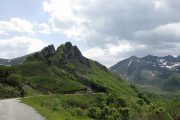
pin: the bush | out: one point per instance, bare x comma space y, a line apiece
79, 111
125, 113
140, 102
55, 108
74, 103
94, 112
110, 99
15, 80
120, 102
142, 96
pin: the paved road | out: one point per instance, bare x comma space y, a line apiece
13, 109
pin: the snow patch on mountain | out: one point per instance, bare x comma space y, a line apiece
130, 63
173, 66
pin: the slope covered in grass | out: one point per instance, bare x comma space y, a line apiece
65, 70
63, 107
94, 92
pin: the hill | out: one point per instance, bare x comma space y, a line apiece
12, 62
62, 71
63, 84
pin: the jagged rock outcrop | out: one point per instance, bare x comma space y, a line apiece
66, 53
48, 51
73, 53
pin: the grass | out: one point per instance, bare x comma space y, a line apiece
112, 82
155, 92
38, 76
47, 79
63, 107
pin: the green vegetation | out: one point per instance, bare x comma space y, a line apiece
102, 107
81, 106
68, 86
10, 83
62, 107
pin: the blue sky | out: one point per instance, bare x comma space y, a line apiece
108, 34
29, 9
33, 12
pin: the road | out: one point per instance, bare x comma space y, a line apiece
13, 109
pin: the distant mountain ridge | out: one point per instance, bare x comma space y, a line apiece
14, 61
149, 69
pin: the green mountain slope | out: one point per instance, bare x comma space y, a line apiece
72, 87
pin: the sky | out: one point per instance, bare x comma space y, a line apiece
104, 30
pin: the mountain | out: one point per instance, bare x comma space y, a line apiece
12, 62
64, 70
67, 71
149, 70
67, 85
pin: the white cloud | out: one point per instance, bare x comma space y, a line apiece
112, 53
89, 21
19, 46
162, 34
151, 25
64, 18
20, 25
16, 25
43, 28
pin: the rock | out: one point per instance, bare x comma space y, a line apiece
73, 53
48, 51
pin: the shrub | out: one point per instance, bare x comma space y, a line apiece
125, 113
110, 113
15, 80
140, 102
120, 102
79, 111
94, 112
110, 99
55, 108
74, 103
142, 96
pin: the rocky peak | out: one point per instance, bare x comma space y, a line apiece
68, 45
178, 57
48, 51
150, 58
73, 53
134, 58
170, 58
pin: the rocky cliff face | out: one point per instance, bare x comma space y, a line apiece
65, 54
48, 51
62, 55
72, 53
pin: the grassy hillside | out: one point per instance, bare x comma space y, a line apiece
64, 107
101, 106
69, 86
